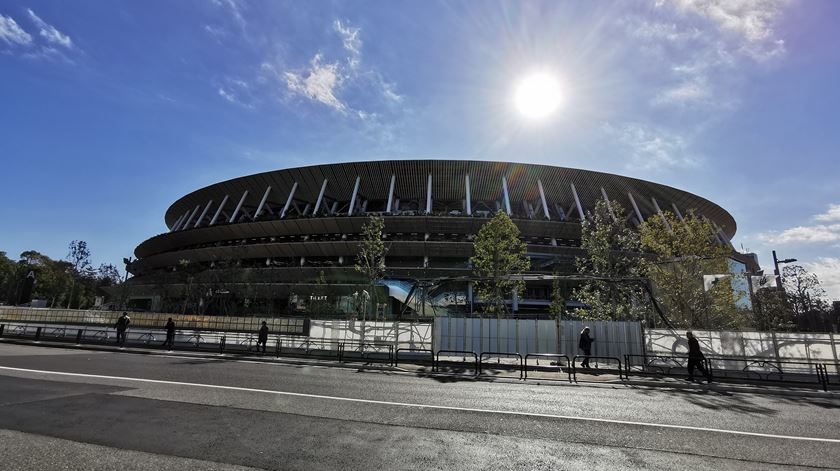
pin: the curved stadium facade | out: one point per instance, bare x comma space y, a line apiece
280, 242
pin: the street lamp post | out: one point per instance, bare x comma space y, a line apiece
776, 272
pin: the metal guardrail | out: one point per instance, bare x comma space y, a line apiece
409, 349
500, 355
591, 357
463, 353
791, 371
557, 356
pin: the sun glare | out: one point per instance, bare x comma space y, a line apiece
538, 95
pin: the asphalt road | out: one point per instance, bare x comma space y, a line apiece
71, 409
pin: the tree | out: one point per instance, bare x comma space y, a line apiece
79, 258
370, 261
557, 309
803, 290
681, 252
499, 255
612, 252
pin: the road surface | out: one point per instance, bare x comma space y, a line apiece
72, 409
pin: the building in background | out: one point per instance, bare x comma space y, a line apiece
285, 241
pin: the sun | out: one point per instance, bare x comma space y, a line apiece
538, 95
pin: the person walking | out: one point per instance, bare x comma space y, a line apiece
585, 344
170, 334
121, 326
696, 358
263, 337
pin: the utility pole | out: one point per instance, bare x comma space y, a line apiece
776, 272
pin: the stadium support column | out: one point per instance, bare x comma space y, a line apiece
183, 220
238, 207
635, 207
192, 215
288, 201
262, 202
429, 195
661, 214
177, 222
507, 197
219, 211
607, 200
353, 197
677, 211
469, 196
542, 198
577, 202
391, 194
320, 198
203, 213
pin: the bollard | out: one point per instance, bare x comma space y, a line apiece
222, 344
38, 334
79, 337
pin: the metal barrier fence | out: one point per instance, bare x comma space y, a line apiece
733, 368
455, 353
499, 355
558, 357
620, 370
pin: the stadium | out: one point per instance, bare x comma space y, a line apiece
285, 242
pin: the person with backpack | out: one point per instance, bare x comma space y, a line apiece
122, 326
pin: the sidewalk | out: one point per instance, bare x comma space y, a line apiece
491, 371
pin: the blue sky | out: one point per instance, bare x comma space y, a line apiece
110, 111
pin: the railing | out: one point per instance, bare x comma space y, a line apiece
764, 369
456, 353
423, 350
500, 355
556, 356
591, 357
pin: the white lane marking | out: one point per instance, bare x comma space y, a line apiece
424, 406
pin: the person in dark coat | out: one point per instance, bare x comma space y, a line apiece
696, 358
263, 337
170, 334
121, 326
585, 344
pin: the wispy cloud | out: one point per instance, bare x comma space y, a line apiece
818, 233
832, 214
809, 234
50, 33
234, 9
329, 82
319, 82
652, 148
351, 40
13, 34
749, 21
703, 44
827, 270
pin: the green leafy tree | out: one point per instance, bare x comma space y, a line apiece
681, 252
557, 308
803, 290
612, 256
370, 260
499, 255
771, 310
78, 256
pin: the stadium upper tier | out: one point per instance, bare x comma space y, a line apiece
318, 211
